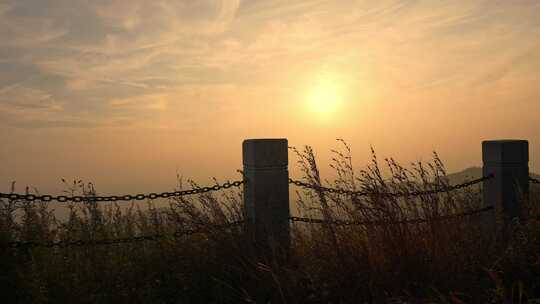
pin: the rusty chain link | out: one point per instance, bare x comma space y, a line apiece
114, 198
135, 239
376, 223
534, 180
395, 194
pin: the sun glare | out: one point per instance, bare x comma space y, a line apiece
325, 97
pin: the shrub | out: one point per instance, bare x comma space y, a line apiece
441, 261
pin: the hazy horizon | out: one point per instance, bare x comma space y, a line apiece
128, 93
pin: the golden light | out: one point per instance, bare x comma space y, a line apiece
325, 97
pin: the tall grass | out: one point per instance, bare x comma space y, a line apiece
439, 261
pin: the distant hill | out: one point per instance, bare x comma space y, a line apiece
472, 173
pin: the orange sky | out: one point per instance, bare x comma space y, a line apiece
127, 93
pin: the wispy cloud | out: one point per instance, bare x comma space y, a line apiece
97, 59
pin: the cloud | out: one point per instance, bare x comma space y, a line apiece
145, 102
26, 30
25, 107
108, 60
48, 124
18, 97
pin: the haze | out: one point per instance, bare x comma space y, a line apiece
128, 93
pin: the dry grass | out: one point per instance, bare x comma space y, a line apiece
447, 261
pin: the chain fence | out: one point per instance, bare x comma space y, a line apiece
179, 234
100, 242
379, 223
152, 196
394, 194
115, 198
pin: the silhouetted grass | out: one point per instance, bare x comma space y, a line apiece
440, 261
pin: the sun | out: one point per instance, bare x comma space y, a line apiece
325, 97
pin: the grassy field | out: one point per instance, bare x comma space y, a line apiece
440, 261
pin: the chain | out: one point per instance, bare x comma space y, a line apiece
534, 180
326, 189
395, 194
135, 239
115, 198
375, 223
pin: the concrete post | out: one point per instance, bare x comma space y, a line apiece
266, 193
508, 160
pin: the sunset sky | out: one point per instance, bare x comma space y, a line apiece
128, 93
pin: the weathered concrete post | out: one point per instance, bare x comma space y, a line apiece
508, 160
266, 193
